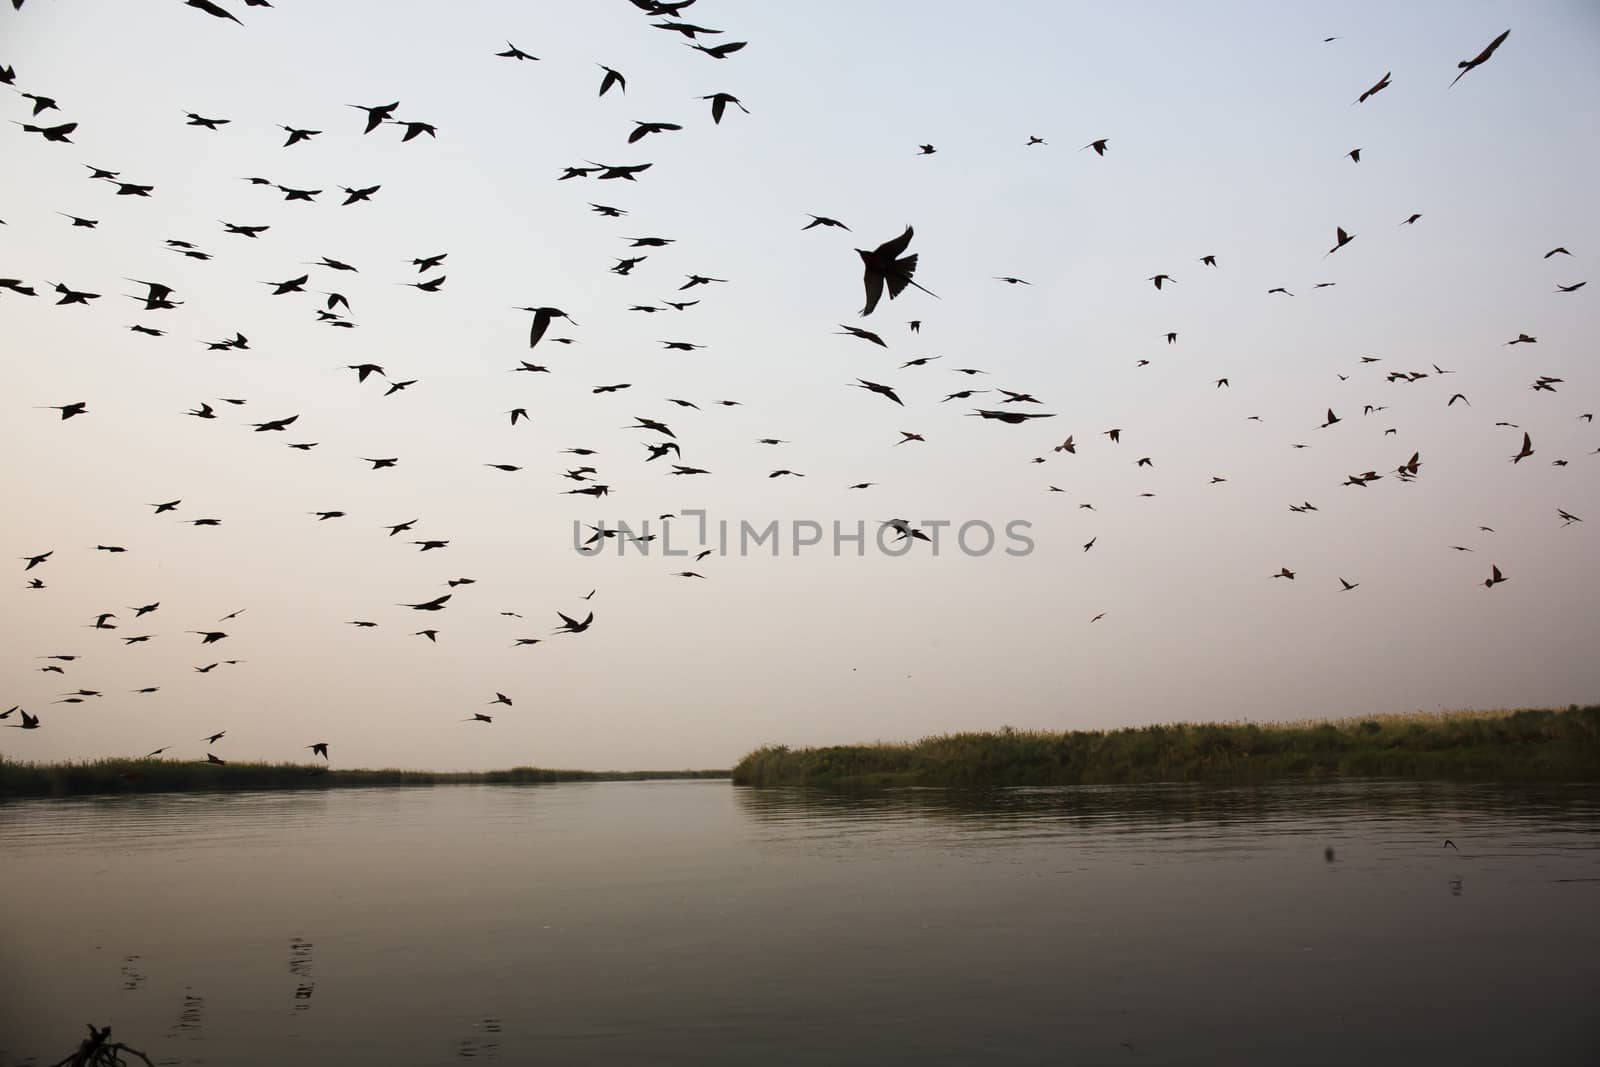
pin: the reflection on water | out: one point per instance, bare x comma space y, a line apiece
300, 967
484, 1044
692, 921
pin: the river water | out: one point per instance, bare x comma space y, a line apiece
696, 922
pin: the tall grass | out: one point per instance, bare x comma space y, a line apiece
1529, 745
19, 779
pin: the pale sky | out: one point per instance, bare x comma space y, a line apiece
1227, 126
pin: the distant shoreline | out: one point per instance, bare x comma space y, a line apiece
1539, 745
1533, 745
123, 776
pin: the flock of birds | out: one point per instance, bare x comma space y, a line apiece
888, 269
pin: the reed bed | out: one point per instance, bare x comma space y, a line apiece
21, 779
1545, 745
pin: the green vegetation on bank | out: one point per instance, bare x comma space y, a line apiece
18, 779
1533, 745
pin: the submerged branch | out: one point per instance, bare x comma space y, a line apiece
94, 1052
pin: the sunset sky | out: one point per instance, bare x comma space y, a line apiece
1227, 127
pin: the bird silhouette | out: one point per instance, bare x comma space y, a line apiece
208, 7
1382, 84
865, 335
58, 134
823, 220
377, 114
881, 390
1013, 417
542, 317
642, 130
1480, 59
887, 265
570, 625
297, 135
513, 52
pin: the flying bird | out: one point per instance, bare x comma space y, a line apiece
823, 220
612, 78
296, 136
1013, 417
1382, 84
887, 265
865, 335
570, 625
58, 134
644, 129
1480, 59
721, 51
881, 390
204, 5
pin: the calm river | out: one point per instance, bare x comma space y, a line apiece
696, 923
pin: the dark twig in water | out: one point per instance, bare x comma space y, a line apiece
95, 1052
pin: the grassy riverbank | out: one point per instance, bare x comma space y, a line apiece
1533, 745
19, 779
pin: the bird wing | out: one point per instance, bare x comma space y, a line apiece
892, 249
874, 285
1483, 56
541, 323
